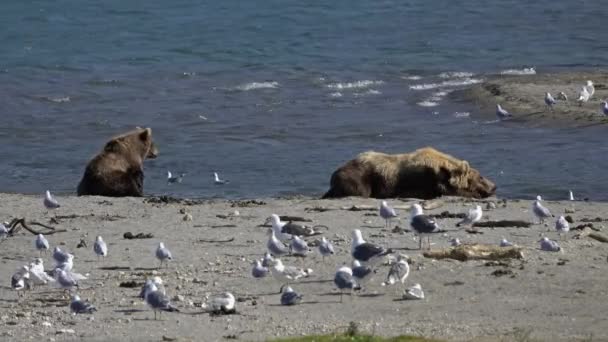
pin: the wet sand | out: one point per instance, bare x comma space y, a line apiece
523, 96
545, 296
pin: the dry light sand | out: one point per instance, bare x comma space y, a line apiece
546, 296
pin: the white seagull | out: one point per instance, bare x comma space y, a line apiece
583, 96
604, 107
37, 274
561, 225
21, 280
49, 201
163, 253
41, 244
474, 215
501, 113
367, 253
223, 303
505, 243
3, 231
387, 213
100, 248
549, 245
571, 195
399, 271
590, 88
326, 248
217, 179
540, 211
275, 246
549, 100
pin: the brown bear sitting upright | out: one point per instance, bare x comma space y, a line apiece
425, 173
118, 170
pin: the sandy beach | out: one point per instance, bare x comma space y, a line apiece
523, 96
544, 296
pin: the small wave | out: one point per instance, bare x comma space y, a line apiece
462, 114
258, 85
55, 99
412, 78
449, 83
524, 71
369, 92
336, 94
354, 85
427, 103
456, 74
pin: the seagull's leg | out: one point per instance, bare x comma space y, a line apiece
428, 240
420, 242
341, 294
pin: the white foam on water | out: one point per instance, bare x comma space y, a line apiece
444, 84
524, 71
462, 114
354, 85
336, 94
456, 74
412, 78
258, 85
58, 99
369, 92
427, 103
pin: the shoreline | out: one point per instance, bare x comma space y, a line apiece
523, 96
463, 300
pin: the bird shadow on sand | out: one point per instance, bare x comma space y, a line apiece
300, 303
317, 281
129, 311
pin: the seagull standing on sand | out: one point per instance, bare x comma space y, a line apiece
605, 108
287, 274
21, 280
344, 280
561, 225
157, 281
367, 253
325, 248
583, 96
399, 271
217, 179
163, 253
286, 230
571, 195
290, 297
100, 248
60, 256
41, 244
549, 245
64, 280
77, 306
387, 213
298, 247
361, 274
540, 211
549, 100
37, 274
3, 231
259, 271
422, 224
157, 300
474, 215
590, 88
274, 245
174, 179
501, 113
223, 303
49, 201
267, 261
505, 243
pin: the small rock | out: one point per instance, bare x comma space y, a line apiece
569, 211
182, 211
65, 331
187, 217
178, 298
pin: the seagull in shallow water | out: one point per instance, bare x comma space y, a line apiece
259, 271
501, 113
325, 248
474, 215
77, 306
398, 272
219, 181
290, 297
100, 248
549, 245
561, 225
571, 195
549, 100
367, 253
583, 96
41, 243
343, 279
605, 108
49, 201
540, 211
163, 253
174, 179
422, 224
387, 213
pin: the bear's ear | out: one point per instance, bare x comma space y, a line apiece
145, 134
111, 146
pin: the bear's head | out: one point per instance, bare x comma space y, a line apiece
466, 181
134, 143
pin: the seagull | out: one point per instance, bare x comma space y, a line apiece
290, 297
49, 201
583, 96
571, 195
326, 248
540, 211
501, 113
21, 279
3, 231
366, 252
344, 280
286, 230
174, 179
414, 292
37, 274
219, 181
455, 242
162, 253
399, 271
41, 244
361, 274
605, 108
422, 224
590, 88
157, 281
78, 306
561, 225
505, 243
474, 215
549, 245
67, 265
157, 300
387, 213
267, 260
100, 248
64, 280
298, 247
60, 256
286, 274
562, 96
549, 100
275, 246
223, 303
259, 271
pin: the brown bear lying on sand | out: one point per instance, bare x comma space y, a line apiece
118, 170
425, 173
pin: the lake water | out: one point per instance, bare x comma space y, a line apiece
275, 95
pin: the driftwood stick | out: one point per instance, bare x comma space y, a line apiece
18, 223
216, 241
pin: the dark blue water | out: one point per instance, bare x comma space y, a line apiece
274, 95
